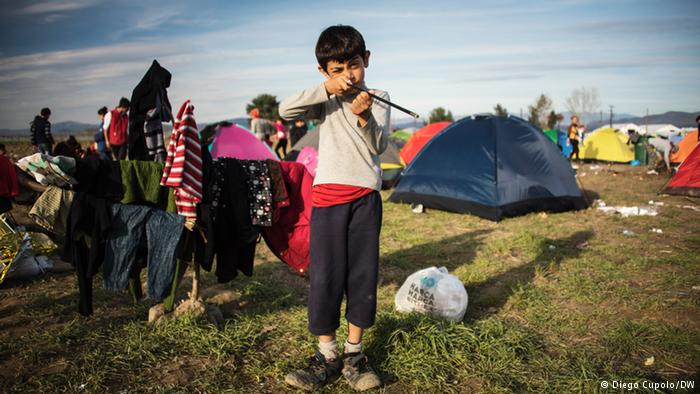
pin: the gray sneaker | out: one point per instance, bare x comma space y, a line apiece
316, 375
359, 373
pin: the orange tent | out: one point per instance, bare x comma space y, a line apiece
686, 182
419, 139
686, 146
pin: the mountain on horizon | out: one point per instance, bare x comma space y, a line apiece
676, 118
66, 127
60, 129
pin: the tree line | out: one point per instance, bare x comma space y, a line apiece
583, 101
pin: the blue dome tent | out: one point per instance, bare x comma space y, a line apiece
492, 167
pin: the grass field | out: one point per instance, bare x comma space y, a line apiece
558, 303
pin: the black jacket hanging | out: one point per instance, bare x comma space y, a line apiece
153, 85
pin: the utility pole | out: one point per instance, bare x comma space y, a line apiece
521, 112
601, 116
646, 122
611, 114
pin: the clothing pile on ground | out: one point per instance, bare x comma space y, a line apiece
118, 217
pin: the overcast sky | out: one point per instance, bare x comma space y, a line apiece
75, 56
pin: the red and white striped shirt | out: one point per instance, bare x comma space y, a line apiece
183, 164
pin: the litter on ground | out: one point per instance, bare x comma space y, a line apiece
629, 211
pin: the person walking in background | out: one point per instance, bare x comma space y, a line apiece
281, 138
297, 131
257, 125
40, 129
697, 120
115, 127
573, 137
100, 141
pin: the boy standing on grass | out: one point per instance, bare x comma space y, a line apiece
347, 208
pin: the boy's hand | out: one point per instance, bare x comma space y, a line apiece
360, 106
337, 86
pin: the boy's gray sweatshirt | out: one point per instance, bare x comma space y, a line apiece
347, 154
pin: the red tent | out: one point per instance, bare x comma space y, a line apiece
419, 139
686, 182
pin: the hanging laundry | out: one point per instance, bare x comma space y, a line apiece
88, 225
50, 211
280, 198
153, 128
153, 86
100, 178
231, 236
259, 191
288, 238
141, 184
135, 226
183, 165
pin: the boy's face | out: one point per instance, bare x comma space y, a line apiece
352, 70
123, 109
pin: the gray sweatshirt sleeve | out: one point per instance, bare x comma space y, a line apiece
308, 103
376, 131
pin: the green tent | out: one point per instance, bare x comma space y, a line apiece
552, 135
402, 135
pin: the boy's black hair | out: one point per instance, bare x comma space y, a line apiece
340, 43
124, 102
697, 119
45, 112
102, 111
2, 147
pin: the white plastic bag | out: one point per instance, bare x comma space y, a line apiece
435, 292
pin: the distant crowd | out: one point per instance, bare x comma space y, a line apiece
111, 140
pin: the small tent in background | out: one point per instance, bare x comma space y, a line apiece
309, 139
391, 164
493, 167
661, 130
305, 151
606, 144
686, 182
565, 145
552, 135
625, 127
237, 142
560, 140
685, 146
419, 139
402, 135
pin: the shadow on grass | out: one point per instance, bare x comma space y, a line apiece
494, 292
451, 253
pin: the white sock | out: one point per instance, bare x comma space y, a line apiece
328, 349
352, 347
